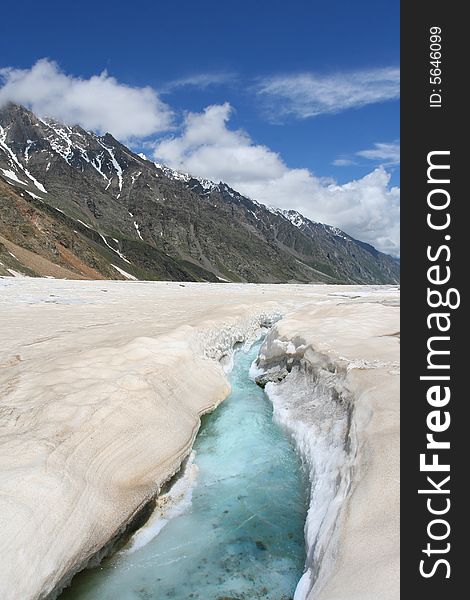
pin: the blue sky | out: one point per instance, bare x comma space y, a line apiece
312, 85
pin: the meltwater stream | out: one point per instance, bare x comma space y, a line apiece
241, 534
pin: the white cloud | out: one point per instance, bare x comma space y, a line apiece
200, 80
366, 208
385, 153
343, 162
309, 95
388, 153
99, 103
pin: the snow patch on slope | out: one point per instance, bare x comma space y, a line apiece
115, 164
138, 230
125, 273
114, 249
12, 175
15, 162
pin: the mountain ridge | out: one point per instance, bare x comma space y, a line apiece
109, 212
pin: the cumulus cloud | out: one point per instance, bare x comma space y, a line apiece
367, 208
99, 103
387, 153
309, 95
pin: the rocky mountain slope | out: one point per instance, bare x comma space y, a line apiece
77, 205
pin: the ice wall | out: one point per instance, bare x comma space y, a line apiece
331, 374
313, 406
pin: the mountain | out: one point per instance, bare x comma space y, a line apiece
78, 205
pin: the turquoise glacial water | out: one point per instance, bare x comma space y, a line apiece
241, 536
